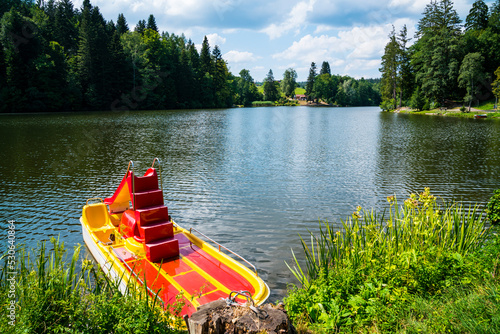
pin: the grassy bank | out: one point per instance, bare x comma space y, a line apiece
485, 108
424, 266
53, 296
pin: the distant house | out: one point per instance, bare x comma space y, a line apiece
300, 97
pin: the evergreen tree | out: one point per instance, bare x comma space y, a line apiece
194, 64
270, 90
437, 60
390, 68
406, 75
21, 48
494, 18
222, 93
65, 29
310, 82
205, 58
121, 24
152, 23
325, 68
478, 16
140, 27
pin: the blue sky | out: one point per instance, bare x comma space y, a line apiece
260, 35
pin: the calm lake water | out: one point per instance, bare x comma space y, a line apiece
253, 179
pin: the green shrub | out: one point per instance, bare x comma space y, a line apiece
493, 208
367, 276
388, 105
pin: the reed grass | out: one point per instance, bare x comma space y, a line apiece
58, 293
420, 224
383, 272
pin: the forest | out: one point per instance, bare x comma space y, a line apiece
54, 57
449, 62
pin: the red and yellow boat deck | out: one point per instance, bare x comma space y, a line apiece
135, 242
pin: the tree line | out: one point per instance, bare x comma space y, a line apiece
341, 90
54, 57
448, 63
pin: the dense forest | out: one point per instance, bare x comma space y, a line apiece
449, 62
54, 57
341, 90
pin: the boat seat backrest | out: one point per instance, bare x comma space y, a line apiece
96, 215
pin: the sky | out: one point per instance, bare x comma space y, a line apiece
263, 35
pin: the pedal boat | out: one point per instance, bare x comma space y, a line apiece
134, 240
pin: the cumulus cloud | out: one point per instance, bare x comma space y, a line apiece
234, 56
295, 19
215, 39
356, 49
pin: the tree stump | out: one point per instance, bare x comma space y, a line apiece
219, 318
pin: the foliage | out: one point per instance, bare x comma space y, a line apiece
289, 82
388, 105
56, 58
55, 296
471, 71
493, 208
310, 82
445, 62
374, 273
271, 92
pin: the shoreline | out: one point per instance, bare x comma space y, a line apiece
453, 112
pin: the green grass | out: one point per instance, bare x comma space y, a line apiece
54, 296
263, 104
300, 91
387, 273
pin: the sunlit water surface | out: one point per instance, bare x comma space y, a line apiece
253, 179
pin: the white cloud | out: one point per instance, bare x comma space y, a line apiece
234, 56
295, 20
352, 51
215, 39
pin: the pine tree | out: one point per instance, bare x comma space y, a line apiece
325, 68
222, 94
205, 58
406, 76
437, 61
478, 16
152, 23
140, 27
66, 32
270, 91
390, 68
121, 24
310, 82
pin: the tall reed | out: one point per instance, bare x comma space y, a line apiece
419, 225
56, 293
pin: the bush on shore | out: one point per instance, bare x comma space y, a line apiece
422, 267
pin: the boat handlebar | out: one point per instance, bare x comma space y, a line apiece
95, 199
227, 249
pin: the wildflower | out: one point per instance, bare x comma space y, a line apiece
390, 199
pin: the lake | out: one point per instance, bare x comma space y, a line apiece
251, 178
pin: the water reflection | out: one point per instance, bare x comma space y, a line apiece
251, 178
